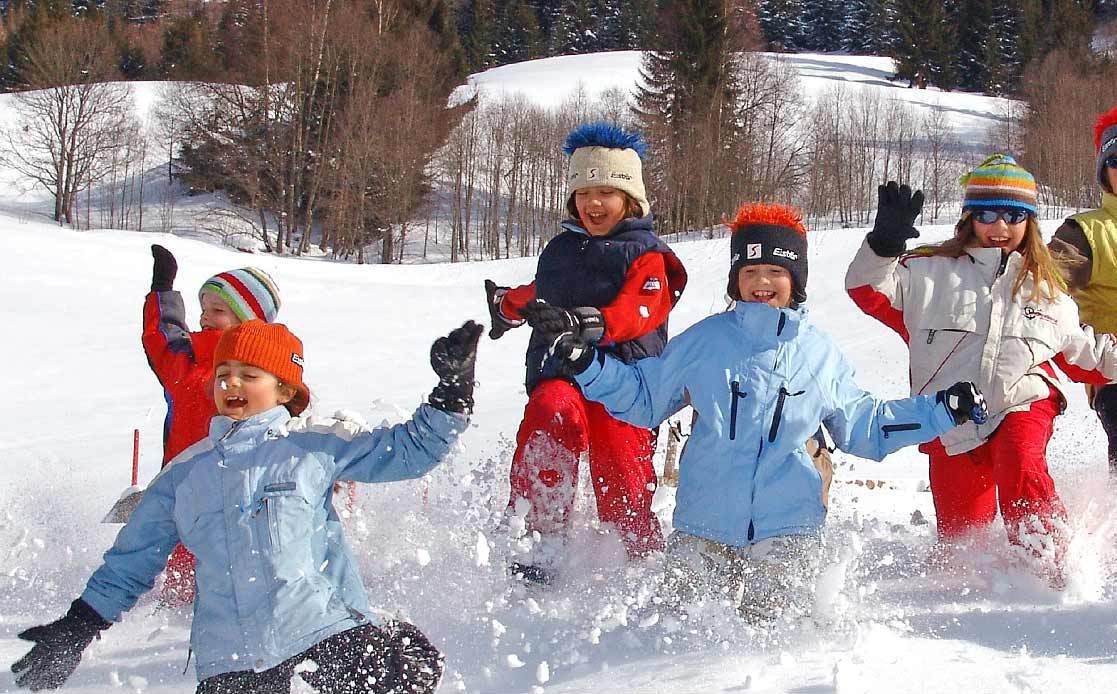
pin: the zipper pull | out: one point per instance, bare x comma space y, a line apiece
930, 336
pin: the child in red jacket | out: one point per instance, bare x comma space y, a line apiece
183, 362
608, 274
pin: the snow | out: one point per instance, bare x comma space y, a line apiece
435, 551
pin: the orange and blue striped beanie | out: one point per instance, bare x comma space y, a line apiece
999, 182
250, 293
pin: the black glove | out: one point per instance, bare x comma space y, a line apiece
164, 269
58, 647
453, 358
897, 209
964, 402
501, 325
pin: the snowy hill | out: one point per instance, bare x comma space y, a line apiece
432, 550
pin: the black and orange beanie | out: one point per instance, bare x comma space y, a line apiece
271, 347
1105, 142
769, 234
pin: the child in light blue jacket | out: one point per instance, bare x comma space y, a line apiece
761, 380
276, 584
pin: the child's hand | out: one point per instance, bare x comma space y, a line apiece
58, 647
453, 358
897, 210
964, 402
500, 324
585, 322
163, 270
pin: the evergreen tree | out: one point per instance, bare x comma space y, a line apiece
925, 45
869, 27
978, 43
824, 23
477, 24
187, 52
781, 21
519, 38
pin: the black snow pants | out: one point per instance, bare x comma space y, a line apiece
394, 659
1105, 404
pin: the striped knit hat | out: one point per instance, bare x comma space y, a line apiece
999, 182
250, 293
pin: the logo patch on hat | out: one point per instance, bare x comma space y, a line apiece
1109, 144
593, 174
620, 175
753, 251
785, 253
297, 358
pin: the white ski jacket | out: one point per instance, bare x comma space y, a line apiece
962, 322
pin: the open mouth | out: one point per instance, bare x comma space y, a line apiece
234, 402
997, 241
763, 296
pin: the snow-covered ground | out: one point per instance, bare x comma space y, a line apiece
431, 550
77, 384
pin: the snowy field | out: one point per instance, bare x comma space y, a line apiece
432, 550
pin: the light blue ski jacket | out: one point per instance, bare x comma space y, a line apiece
761, 380
253, 503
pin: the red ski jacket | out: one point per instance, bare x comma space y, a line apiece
183, 363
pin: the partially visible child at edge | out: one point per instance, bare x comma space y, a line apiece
986, 305
250, 501
183, 362
1087, 243
761, 379
612, 277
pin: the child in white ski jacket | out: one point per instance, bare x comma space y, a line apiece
987, 305
251, 501
761, 380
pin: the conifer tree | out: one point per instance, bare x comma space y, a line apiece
781, 21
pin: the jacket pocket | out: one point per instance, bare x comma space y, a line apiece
283, 512
736, 395
889, 428
778, 416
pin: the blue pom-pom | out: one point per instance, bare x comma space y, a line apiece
603, 134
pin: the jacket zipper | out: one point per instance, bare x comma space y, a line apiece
784, 392
737, 395
931, 336
889, 428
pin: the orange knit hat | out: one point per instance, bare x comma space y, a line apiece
271, 347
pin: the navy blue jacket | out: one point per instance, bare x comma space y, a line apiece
577, 269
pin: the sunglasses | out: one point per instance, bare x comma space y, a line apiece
1011, 215
1111, 161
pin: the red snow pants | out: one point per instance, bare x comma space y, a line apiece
1009, 470
559, 426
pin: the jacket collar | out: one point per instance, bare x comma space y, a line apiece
624, 226
993, 263
1109, 202
768, 325
223, 429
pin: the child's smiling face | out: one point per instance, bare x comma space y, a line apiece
241, 390
765, 284
216, 314
600, 208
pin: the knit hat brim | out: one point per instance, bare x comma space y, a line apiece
271, 347
769, 244
590, 167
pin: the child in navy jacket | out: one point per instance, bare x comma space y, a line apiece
611, 274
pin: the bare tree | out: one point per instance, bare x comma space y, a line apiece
72, 121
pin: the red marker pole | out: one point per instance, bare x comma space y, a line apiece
135, 457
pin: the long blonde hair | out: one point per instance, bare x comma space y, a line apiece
1047, 275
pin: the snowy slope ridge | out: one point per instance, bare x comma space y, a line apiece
434, 550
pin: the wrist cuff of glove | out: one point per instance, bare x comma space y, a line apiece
81, 611
452, 398
591, 324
